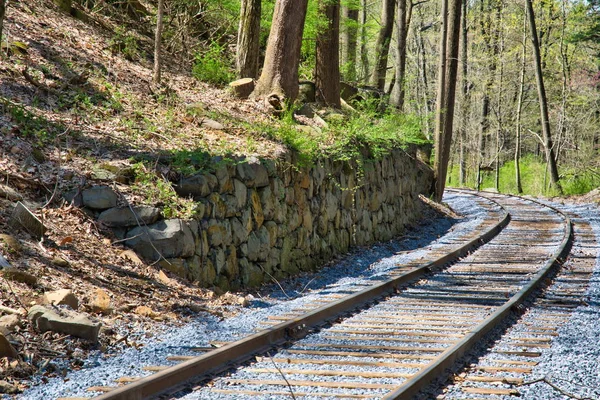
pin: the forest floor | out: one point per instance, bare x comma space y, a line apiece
72, 111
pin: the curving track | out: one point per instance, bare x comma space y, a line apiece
391, 339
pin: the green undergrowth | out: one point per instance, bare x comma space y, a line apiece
534, 179
159, 191
360, 136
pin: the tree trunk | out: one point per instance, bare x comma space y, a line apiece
242, 88
439, 106
364, 53
490, 36
499, 90
465, 97
156, 72
382, 46
248, 39
403, 17
327, 70
422, 56
520, 110
2, 13
349, 40
549, 148
449, 94
279, 76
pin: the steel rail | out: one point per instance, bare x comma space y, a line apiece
218, 360
447, 359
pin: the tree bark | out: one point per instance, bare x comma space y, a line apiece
364, 54
422, 61
465, 97
349, 40
327, 69
549, 147
2, 13
439, 106
449, 94
156, 72
520, 110
279, 76
382, 45
248, 40
403, 18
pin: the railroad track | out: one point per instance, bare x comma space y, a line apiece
390, 339
545, 316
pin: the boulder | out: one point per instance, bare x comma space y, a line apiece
171, 237
17, 275
347, 91
224, 180
307, 110
253, 173
252, 275
100, 302
146, 311
195, 185
8, 323
257, 210
212, 124
61, 297
240, 233
99, 198
125, 216
306, 93
64, 321
216, 233
241, 193
6, 349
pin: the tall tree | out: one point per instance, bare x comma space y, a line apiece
327, 70
364, 54
449, 61
489, 30
440, 111
349, 38
466, 99
2, 13
543, 100
279, 75
403, 17
382, 45
248, 40
156, 72
520, 109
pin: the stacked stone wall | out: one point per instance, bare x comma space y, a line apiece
259, 220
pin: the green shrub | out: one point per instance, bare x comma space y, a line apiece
159, 191
125, 42
213, 65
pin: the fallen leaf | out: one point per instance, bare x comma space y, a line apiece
65, 240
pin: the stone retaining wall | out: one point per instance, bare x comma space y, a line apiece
261, 218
